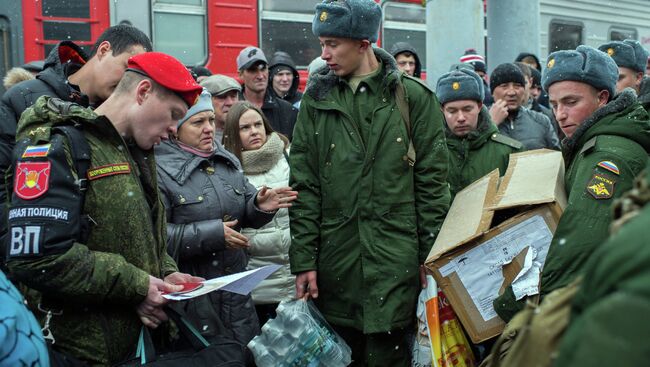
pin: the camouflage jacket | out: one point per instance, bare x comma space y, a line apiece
92, 287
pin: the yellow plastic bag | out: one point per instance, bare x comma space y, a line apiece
449, 346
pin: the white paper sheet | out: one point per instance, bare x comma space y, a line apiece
480, 268
240, 283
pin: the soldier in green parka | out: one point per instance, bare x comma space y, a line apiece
370, 206
609, 323
99, 267
607, 145
475, 145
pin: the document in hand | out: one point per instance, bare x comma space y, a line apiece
240, 283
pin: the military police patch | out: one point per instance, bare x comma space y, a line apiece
601, 186
32, 179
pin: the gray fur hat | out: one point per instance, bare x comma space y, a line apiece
584, 64
354, 19
458, 85
627, 54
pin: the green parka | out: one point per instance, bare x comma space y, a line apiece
95, 285
365, 219
609, 317
478, 153
602, 158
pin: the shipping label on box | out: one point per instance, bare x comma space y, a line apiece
496, 234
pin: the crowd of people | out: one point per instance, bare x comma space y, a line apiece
127, 174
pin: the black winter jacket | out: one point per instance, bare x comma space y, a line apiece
199, 195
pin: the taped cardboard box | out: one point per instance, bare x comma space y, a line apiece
494, 229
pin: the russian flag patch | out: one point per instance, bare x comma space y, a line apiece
35, 151
610, 166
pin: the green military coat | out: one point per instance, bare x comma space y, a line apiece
95, 285
478, 153
609, 318
365, 219
602, 159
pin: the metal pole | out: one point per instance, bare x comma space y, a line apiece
512, 27
452, 27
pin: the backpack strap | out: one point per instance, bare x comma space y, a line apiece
81, 154
403, 106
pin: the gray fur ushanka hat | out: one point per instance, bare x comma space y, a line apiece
459, 85
628, 54
354, 19
584, 64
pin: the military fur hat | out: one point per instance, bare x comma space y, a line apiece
355, 19
628, 54
458, 85
584, 64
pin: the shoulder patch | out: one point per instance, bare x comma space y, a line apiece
32, 179
601, 186
36, 151
500, 138
109, 170
588, 145
609, 166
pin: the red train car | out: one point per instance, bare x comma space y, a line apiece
198, 32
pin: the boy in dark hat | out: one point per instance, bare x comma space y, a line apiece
475, 145
372, 182
534, 130
407, 58
87, 229
607, 145
284, 79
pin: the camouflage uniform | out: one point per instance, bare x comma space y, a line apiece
97, 283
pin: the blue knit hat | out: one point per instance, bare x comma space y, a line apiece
203, 103
585, 65
354, 19
627, 54
459, 85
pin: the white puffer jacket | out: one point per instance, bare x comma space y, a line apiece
270, 244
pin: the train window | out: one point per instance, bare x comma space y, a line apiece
405, 23
177, 21
66, 9
620, 34
286, 26
564, 35
66, 30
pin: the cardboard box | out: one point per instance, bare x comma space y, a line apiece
495, 228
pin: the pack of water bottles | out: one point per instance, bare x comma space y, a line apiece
299, 336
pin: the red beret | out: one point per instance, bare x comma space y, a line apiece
168, 72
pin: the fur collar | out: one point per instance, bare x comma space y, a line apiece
622, 101
323, 79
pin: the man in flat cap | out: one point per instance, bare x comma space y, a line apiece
475, 145
606, 147
225, 93
370, 161
86, 224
